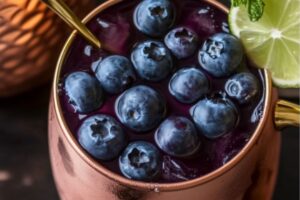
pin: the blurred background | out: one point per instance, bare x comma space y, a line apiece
24, 161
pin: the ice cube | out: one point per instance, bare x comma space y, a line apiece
228, 146
174, 170
202, 21
258, 112
95, 64
114, 33
225, 27
203, 10
88, 50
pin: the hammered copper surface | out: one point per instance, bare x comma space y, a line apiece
30, 37
252, 178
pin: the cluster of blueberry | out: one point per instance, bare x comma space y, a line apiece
141, 108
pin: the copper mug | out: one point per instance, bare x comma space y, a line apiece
249, 175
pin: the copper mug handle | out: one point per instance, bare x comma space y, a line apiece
286, 114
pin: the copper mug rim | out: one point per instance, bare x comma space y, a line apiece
145, 185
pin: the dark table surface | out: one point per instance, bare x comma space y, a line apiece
24, 161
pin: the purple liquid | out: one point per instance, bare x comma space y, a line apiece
115, 29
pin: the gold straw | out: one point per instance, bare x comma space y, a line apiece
66, 14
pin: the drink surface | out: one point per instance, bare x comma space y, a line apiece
115, 29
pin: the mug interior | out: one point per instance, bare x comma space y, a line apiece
145, 185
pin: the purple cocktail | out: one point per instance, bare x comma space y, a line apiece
117, 32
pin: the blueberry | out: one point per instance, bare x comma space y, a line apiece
221, 54
154, 17
152, 60
182, 42
140, 161
177, 136
215, 115
242, 87
188, 85
102, 137
84, 92
115, 74
140, 108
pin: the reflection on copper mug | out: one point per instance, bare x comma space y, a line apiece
251, 174
30, 35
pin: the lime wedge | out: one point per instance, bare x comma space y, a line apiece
273, 42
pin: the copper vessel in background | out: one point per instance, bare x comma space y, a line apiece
30, 36
251, 174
